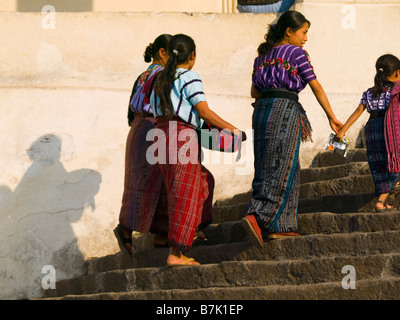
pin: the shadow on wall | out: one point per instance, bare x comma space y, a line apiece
36, 221
59, 5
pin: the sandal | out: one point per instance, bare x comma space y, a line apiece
186, 262
281, 235
253, 230
385, 209
122, 241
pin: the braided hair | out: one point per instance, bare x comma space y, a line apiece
152, 50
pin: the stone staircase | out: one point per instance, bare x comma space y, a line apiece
337, 230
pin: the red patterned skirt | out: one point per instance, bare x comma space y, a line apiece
162, 192
189, 184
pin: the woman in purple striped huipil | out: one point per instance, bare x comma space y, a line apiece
281, 70
376, 100
144, 205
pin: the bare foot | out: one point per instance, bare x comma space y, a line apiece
382, 206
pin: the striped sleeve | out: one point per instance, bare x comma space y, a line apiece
193, 88
364, 99
305, 69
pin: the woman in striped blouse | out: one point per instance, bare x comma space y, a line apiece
178, 101
281, 70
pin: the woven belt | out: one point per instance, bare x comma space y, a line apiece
279, 93
377, 114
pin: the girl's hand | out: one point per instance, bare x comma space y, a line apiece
340, 135
335, 124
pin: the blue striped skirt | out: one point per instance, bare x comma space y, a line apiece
277, 138
377, 155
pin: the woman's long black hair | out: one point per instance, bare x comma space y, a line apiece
276, 32
385, 66
180, 47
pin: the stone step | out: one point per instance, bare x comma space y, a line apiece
234, 274
339, 193
228, 241
303, 247
352, 191
340, 203
371, 289
328, 158
364, 202
341, 186
350, 178
309, 224
334, 172
336, 203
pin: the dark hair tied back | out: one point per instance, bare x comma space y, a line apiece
161, 42
180, 48
148, 53
385, 66
276, 32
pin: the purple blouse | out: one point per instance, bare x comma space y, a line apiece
376, 103
287, 66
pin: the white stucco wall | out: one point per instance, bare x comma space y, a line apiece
64, 95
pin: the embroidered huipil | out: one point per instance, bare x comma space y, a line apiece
187, 91
286, 67
139, 100
379, 103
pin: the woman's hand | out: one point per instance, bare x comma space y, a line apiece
340, 135
336, 125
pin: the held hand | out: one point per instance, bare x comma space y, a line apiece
335, 125
340, 135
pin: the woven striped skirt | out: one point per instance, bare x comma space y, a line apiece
377, 155
188, 183
144, 202
149, 204
277, 138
